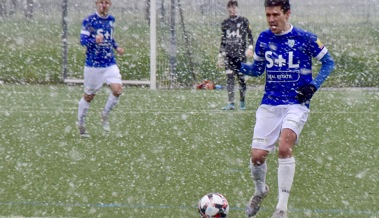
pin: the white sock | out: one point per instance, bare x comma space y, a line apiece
258, 173
112, 101
82, 111
286, 173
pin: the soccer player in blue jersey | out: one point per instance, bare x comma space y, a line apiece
236, 42
100, 64
285, 53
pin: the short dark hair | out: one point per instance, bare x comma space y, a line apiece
284, 4
232, 3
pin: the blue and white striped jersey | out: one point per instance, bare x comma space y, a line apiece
102, 54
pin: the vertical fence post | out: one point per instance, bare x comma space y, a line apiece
173, 45
64, 38
153, 45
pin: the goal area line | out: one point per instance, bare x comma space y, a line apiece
125, 82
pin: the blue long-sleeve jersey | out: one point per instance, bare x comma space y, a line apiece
102, 54
287, 60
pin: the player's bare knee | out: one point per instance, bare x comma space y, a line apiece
258, 157
284, 152
88, 97
117, 93
257, 161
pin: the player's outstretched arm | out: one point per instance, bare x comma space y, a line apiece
306, 92
327, 66
255, 69
86, 39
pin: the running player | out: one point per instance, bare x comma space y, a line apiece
100, 65
285, 52
236, 41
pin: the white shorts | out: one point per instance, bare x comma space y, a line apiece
94, 78
270, 120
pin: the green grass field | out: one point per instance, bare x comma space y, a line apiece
168, 148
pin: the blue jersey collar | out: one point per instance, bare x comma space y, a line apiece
286, 32
102, 16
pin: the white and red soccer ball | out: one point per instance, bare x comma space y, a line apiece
213, 205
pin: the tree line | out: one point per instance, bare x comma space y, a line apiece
8, 8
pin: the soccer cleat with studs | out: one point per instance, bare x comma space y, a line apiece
105, 122
242, 106
82, 131
230, 106
279, 214
255, 203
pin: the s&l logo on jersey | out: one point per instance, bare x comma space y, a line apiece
291, 43
236, 33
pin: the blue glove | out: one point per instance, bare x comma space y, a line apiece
305, 93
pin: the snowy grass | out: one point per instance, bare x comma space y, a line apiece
169, 148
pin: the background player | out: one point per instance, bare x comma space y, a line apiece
236, 38
100, 65
285, 53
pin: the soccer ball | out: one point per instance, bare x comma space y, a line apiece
213, 205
